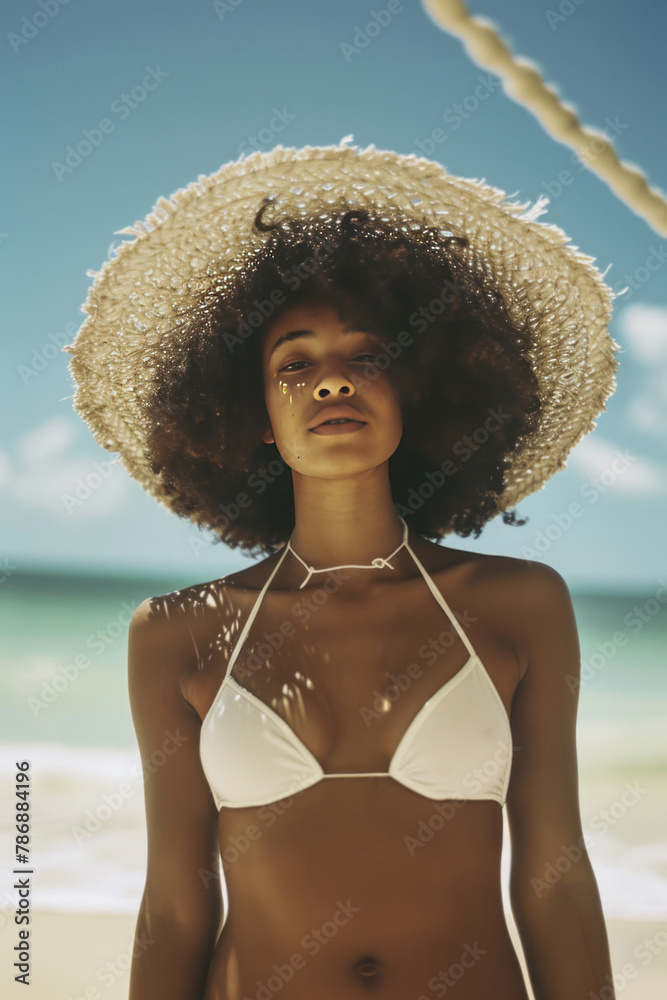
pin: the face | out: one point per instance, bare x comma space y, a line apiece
312, 363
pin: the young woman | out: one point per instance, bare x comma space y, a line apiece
343, 722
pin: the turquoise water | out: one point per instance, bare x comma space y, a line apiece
47, 622
64, 706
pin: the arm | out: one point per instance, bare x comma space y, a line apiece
180, 914
553, 892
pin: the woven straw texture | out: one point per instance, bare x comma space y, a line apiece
156, 285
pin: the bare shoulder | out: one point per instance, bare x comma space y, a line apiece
520, 599
177, 635
536, 605
499, 571
192, 608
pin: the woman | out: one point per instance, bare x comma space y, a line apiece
347, 717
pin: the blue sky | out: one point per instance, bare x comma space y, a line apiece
221, 74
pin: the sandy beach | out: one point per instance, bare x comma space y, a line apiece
86, 957
88, 822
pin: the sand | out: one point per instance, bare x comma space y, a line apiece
84, 957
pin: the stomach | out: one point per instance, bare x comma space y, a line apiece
358, 887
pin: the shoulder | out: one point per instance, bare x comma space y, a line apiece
179, 627
525, 601
508, 575
526, 579
193, 606
534, 602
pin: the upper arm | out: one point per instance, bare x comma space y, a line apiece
543, 796
181, 817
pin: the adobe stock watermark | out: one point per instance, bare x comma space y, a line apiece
400, 683
223, 7
631, 283
293, 279
84, 488
565, 10
386, 354
475, 780
237, 845
32, 25
98, 642
115, 968
582, 157
266, 135
259, 480
606, 651
364, 34
303, 611
601, 822
42, 356
443, 981
110, 803
265, 308
594, 488
122, 107
6, 570
312, 943
455, 115
646, 951
464, 449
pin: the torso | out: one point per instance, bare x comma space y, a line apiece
360, 885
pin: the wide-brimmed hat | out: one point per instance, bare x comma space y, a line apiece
191, 242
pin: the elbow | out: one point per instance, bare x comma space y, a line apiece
571, 876
199, 919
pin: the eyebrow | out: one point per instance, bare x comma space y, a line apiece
296, 334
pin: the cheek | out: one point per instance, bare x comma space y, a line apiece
388, 402
285, 405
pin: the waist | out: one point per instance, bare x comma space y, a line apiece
346, 946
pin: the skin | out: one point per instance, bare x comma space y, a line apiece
326, 888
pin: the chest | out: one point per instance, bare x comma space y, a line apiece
348, 677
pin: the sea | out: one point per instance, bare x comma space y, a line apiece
64, 709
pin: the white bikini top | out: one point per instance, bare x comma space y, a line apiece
458, 746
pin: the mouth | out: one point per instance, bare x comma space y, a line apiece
338, 425
339, 416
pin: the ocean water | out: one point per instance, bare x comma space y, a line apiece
64, 707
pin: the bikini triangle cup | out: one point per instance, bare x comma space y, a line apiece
458, 745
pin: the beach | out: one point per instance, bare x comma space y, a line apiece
86, 956
72, 725
78, 953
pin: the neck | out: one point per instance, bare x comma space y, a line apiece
331, 534
378, 562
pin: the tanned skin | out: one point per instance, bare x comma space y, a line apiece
331, 892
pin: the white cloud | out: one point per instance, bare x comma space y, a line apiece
645, 330
620, 468
5, 470
649, 413
45, 442
42, 474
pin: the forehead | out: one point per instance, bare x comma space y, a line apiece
306, 321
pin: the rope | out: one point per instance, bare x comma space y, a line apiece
523, 82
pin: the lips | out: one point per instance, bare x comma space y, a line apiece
347, 413
340, 420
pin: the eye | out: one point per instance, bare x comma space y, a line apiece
287, 368
290, 367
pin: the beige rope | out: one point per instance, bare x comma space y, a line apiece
523, 82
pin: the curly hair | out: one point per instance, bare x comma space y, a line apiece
460, 364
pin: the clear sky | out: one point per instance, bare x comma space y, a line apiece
220, 74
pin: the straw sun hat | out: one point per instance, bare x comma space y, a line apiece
183, 251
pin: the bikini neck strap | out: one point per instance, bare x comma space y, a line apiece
378, 563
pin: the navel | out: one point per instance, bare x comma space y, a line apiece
368, 971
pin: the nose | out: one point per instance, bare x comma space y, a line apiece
333, 385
